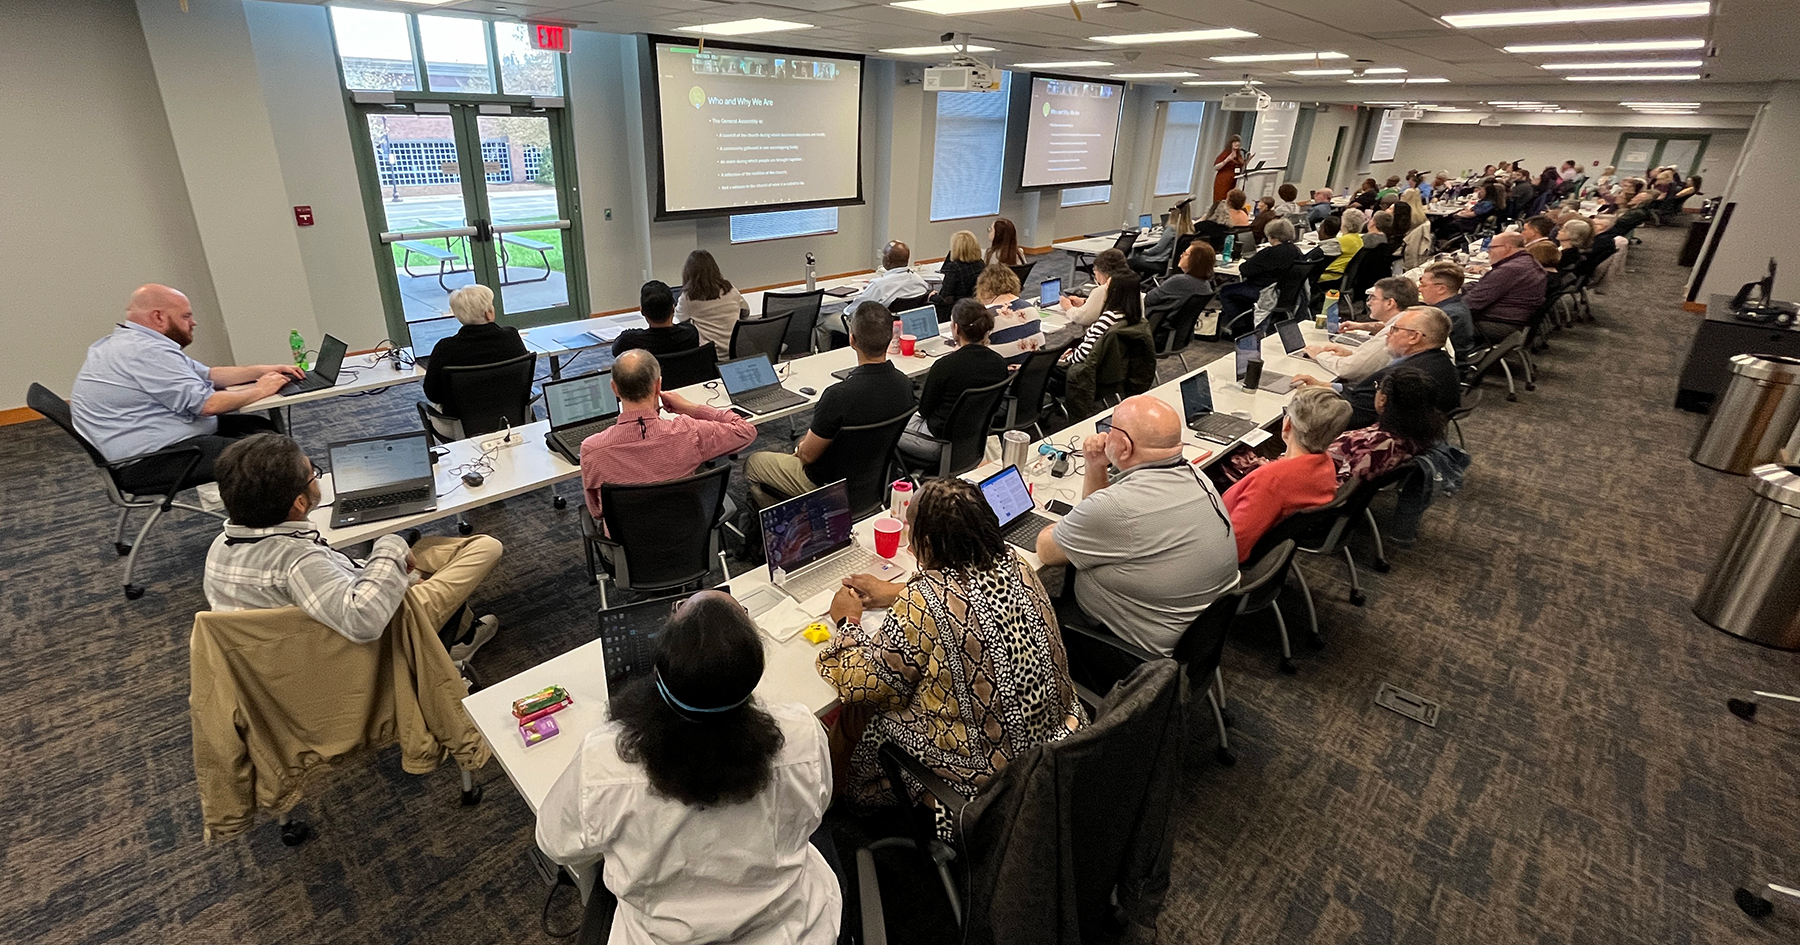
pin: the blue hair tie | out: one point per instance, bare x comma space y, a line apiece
681, 707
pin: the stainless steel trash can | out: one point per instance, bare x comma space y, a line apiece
1753, 420
1754, 590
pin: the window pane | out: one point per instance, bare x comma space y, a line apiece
1181, 141
1082, 196
375, 48
523, 70
750, 227
456, 54
967, 156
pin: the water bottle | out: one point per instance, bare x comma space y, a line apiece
298, 345
1332, 321
894, 342
1230, 241
811, 281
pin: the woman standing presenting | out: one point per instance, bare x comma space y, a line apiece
1226, 165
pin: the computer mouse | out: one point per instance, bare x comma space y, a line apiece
808, 391
473, 478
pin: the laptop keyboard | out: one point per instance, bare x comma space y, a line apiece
830, 573
384, 499
775, 398
571, 437
1023, 531
1220, 426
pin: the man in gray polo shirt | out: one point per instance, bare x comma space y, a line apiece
1152, 542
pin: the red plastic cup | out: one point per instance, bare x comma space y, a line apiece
887, 537
907, 342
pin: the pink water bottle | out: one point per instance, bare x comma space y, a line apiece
900, 497
894, 342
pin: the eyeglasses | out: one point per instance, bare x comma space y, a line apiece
1105, 425
317, 472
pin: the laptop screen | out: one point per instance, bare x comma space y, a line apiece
1050, 293
1196, 396
1249, 348
379, 461
1291, 339
331, 357
426, 334
1144, 221
747, 374
580, 399
629, 633
804, 529
1006, 494
921, 323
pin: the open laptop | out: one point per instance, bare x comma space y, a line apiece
325, 370
426, 335
579, 407
379, 477
1050, 294
1197, 407
1293, 341
811, 549
922, 324
753, 386
1145, 221
628, 637
1012, 503
1249, 348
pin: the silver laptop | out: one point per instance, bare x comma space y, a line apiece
426, 334
380, 477
579, 407
922, 324
811, 549
754, 387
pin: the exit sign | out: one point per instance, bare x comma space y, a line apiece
550, 37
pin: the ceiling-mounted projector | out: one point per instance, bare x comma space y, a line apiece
1410, 114
963, 73
1246, 99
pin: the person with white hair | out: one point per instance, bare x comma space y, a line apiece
478, 342
137, 393
1305, 477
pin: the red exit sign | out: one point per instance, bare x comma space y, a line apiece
550, 37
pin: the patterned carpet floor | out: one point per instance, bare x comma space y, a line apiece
1583, 784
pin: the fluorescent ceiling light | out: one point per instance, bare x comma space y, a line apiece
1641, 64
1633, 78
1396, 104
1541, 17
426, 3
1174, 36
1635, 45
745, 27
944, 50
1384, 70
1516, 102
1151, 75
1071, 64
1321, 72
950, 7
1413, 81
1660, 104
1222, 82
1281, 57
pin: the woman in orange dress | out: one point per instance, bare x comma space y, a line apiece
1226, 167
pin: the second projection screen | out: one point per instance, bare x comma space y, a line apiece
1071, 132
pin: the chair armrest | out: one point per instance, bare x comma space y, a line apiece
1088, 696
874, 920
1108, 640
895, 761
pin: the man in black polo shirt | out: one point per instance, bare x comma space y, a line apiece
478, 342
657, 304
874, 391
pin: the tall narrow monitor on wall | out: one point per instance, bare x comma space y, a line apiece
1387, 136
1273, 139
748, 129
1071, 132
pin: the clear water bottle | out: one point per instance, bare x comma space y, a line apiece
1230, 243
1332, 321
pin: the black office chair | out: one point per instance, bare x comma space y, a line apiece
873, 444
1348, 309
150, 481
1029, 398
964, 443
907, 305
659, 536
804, 307
1291, 293
1023, 271
1471, 399
1179, 329
1124, 244
752, 336
1372, 266
489, 397
1486, 359
1259, 588
689, 367
1182, 243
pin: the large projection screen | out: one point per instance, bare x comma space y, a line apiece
750, 129
1071, 131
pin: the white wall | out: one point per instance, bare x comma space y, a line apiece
1761, 225
93, 199
1326, 123
1442, 146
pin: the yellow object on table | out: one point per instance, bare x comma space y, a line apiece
816, 632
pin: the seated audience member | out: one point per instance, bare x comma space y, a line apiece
894, 281
1260, 271
1636, 213
1284, 204
1303, 478
1379, 232
960, 270
1192, 279
1018, 330
1519, 197
1003, 244
1416, 340
1414, 227
1539, 232
1597, 186
1407, 422
1367, 196
875, 391
1349, 241
137, 393
967, 670
479, 341
1386, 300
700, 798
1330, 246
1320, 208
270, 556
1504, 299
1440, 286
1265, 212
1574, 237
657, 304
642, 446
1390, 189
1237, 209
708, 300
971, 365
1127, 308
1151, 545
1109, 265
1154, 260
1492, 200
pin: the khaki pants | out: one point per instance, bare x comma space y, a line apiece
455, 566
775, 477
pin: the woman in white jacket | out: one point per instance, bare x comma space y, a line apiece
709, 300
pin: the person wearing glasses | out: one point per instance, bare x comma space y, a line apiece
1387, 298
1440, 286
1416, 340
1150, 541
270, 556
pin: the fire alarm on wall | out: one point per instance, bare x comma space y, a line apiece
303, 216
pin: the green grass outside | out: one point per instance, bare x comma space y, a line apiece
515, 255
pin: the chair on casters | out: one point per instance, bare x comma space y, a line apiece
1028, 400
759, 336
659, 536
1471, 398
492, 397
685, 368
964, 444
150, 481
1755, 906
1495, 355
1181, 329
874, 444
804, 307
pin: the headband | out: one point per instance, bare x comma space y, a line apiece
683, 709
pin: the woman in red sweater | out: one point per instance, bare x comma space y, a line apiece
1305, 477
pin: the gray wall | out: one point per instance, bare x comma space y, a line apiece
1761, 225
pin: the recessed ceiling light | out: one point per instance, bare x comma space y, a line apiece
1395, 103
1660, 104
1152, 75
1515, 102
745, 27
1281, 57
1673, 77
1384, 70
1071, 64
426, 3
1629, 11
1321, 72
1630, 45
1221, 82
1641, 64
1432, 80
951, 7
942, 50
1174, 36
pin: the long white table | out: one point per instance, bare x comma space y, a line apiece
360, 374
